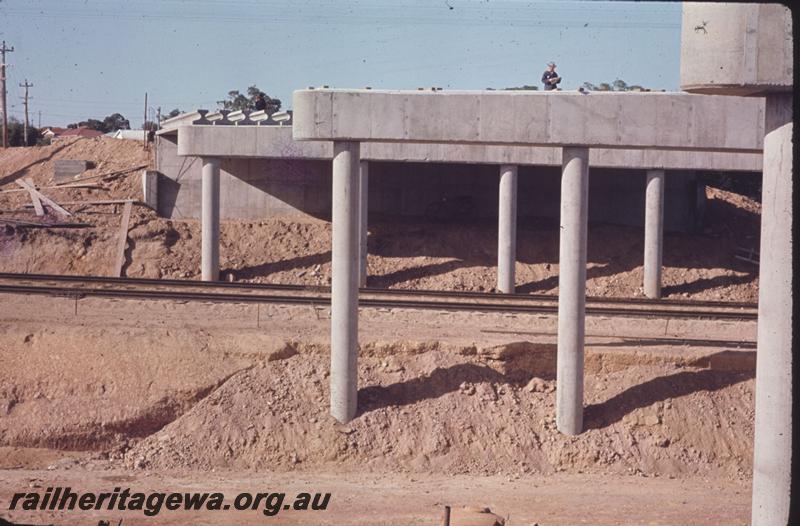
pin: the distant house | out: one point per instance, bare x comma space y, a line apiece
52, 131
136, 135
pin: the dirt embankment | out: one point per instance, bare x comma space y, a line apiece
182, 399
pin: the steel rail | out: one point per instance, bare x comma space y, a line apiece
371, 290
320, 300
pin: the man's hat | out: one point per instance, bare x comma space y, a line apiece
551, 63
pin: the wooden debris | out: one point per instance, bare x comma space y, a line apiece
31, 224
123, 239
108, 176
37, 203
98, 202
93, 186
49, 202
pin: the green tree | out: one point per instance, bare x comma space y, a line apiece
111, 123
617, 85
16, 133
237, 101
92, 124
115, 122
522, 88
173, 113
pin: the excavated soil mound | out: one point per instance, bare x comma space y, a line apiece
181, 398
444, 412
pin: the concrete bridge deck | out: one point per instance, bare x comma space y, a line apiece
630, 120
276, 142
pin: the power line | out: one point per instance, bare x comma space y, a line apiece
369, 16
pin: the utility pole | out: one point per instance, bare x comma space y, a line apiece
3, 51
144, 123
25, 98
40, 119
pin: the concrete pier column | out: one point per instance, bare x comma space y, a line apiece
363, 207
344, 285
653, 233
507, 229
572, 289
772, 448
209, 222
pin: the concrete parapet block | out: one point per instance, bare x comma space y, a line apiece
267, 120
283, 118
258, 116
221, 118
240, 118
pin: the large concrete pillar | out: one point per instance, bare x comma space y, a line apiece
653, 233
344, 285
209, 222
507, 229
363, 207
772, 449
572, 289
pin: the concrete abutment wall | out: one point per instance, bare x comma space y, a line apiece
253, 189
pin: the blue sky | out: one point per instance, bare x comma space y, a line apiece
91, 58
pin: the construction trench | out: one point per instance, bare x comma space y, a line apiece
509, 394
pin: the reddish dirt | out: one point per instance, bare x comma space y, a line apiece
248, 399
668, 439
171, 406
359, 499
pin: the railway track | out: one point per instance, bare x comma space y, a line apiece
184, 290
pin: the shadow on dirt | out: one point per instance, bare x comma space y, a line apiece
604, 414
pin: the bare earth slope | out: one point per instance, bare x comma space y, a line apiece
186, 399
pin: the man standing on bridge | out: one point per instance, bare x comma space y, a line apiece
550, 78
